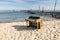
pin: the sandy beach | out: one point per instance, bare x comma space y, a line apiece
19, 31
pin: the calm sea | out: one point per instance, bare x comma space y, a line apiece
15, 15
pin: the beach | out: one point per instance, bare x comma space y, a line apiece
19, 31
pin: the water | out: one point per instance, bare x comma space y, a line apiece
15, 15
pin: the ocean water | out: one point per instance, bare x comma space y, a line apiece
15, 15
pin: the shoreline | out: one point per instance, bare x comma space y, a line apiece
23, 20
9, 21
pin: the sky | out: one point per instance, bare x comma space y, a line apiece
28, 4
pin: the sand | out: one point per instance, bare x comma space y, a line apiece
19, 31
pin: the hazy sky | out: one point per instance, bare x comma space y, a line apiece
28, 4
